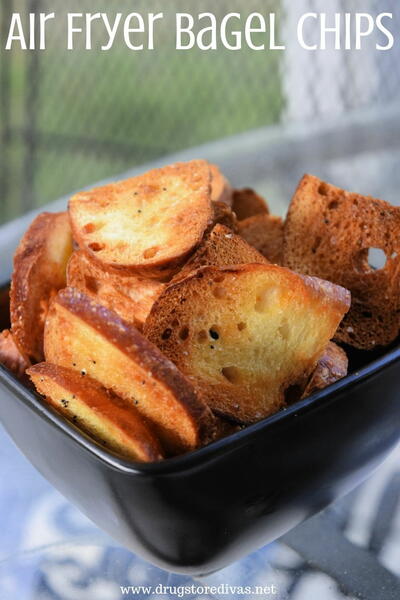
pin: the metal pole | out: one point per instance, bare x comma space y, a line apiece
5, 114
28, 198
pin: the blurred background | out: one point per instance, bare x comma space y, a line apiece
69, 119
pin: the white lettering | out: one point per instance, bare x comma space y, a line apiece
300, 31
235, 34
181, 29
211, 30
250, 29
111, 30
360, 31
16, 32
388, 34
71, 29
325, 29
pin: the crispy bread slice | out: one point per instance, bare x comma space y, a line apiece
10, 356
39, 272
129, 296
114, 423
247, 203
328, 233
264, 232
244, 334
224, 216
225, 428
146, 224
221, 189
221, 248
331, 367
86, 336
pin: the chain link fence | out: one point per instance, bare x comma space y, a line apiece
71, 118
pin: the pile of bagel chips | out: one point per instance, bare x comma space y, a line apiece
166, 311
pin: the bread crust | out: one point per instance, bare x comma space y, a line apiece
225, 428
223, 215
253, 313
331, 367
221, 247
114, 423
147, 224
39, 272
129, 296
10, 355
265, 233
221, 189
247, 203
328, 232
87, 336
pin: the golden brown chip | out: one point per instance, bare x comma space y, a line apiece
221, 248
39, 272
329, 233
86, 336
247, 203
129, 296
115, 424
221, 190
147, 224
10, 356
264, 232
244, 334
331, 367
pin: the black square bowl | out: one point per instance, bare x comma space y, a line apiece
199, 512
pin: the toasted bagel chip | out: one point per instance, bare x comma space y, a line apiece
265, 233
39, 272
114, 423
147, 224
86, 336
220, 248
332, 366
221, 189
247, 203
244, 334
129, 296
225, 428
224, 216
10, 355
329, 233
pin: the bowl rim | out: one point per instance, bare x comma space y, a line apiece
192, 459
